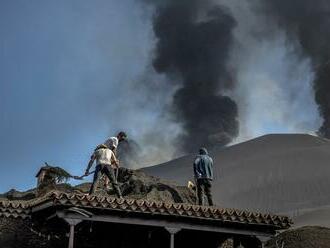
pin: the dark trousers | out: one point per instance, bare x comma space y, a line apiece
109, 172
204, 189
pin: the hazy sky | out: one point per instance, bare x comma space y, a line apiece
70, 73
65, 68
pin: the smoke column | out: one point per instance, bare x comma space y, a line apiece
308, 22
193, 43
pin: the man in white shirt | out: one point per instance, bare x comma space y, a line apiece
112, 143
106, 162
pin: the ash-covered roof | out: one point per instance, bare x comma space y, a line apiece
16, 209
23, 209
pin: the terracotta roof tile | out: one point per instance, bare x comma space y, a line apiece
13, 209
23, 208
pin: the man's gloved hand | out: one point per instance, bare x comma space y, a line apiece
86, 173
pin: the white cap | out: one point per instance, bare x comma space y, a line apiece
112, 142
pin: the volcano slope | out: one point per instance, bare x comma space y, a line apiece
280, 173
304, 237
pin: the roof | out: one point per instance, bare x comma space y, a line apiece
14, 209
53, 199
46, 167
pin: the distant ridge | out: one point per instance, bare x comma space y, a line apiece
276, 172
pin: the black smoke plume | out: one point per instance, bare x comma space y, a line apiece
308, 22
194, 41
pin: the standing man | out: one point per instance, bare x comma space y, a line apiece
106, 162
203, 171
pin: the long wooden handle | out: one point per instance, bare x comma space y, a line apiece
82, 177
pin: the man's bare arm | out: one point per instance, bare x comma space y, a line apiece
90, 163
115, 161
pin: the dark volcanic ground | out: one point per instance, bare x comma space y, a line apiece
275, 172
305, 237
282, 173
134, 184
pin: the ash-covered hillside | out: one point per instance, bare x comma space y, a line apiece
305, 237
282, 173
134, 184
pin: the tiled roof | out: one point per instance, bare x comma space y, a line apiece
20, 208
13, 209
156, 208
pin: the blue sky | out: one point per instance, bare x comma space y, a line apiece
64, 71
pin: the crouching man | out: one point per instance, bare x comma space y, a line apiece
106, 162
203, 171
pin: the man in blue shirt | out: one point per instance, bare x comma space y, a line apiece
203, 171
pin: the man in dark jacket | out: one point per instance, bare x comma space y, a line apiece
203, 171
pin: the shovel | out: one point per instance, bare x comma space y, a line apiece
82, 177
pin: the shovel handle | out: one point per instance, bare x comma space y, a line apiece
82, 177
